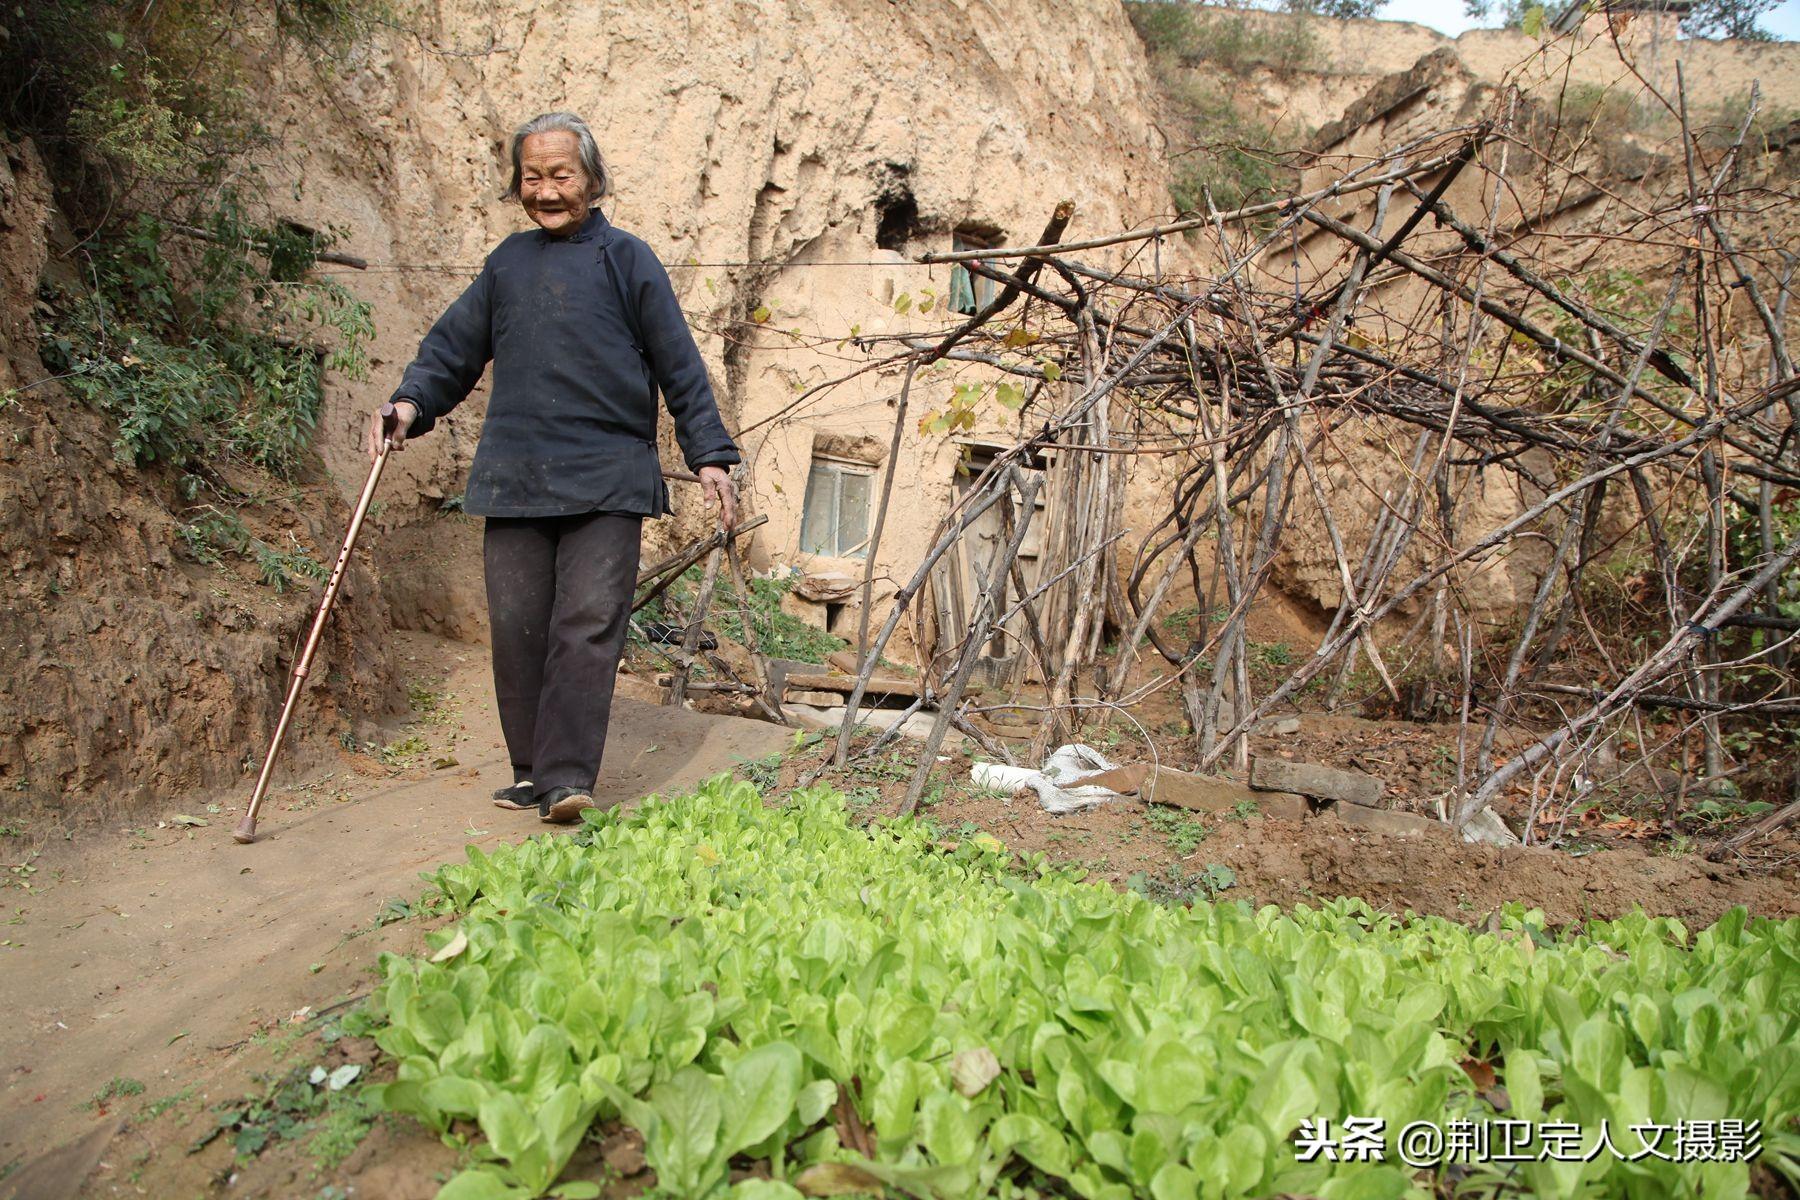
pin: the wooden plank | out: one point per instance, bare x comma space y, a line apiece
879, 685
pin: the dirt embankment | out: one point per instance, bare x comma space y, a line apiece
132, 672
1261, 858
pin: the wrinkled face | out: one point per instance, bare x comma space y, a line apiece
552, 186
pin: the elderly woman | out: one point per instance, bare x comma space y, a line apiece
583, 330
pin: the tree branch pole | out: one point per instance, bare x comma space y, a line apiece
690, 641
1702, 624
1342, 187
1499, 710
887, 491
1033, 631
764, 697
972, 642
1781, 817
1058, 690
902, 599
670, 569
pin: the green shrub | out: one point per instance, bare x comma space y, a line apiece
123, 96
1223, 157
722, 975
188, 320
778, 634
280, 568
213, 532
193, 359
1222, 36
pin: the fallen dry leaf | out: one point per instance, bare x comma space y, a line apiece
1480, 1074
835, 1179
973, 1070
450, 949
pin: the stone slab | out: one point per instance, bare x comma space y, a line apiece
1123, 780
1202, 793
1487, 829
1283, 806
1313, 779
826, 720
817, 699
1383, 821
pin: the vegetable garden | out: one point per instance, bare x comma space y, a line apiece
786, 1002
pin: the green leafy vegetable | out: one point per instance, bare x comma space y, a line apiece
863, 1011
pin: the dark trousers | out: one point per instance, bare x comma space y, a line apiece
559, 601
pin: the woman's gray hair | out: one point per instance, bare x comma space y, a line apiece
586, 149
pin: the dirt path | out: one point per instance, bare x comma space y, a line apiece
154, 955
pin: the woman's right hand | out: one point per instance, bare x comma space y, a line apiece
390, 422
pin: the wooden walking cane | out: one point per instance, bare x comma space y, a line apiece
246, 830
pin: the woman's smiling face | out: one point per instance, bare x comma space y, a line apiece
552, 185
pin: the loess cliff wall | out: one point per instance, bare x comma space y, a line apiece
787, 160
130, 673
781, 157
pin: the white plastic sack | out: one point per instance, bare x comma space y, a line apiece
1058, 783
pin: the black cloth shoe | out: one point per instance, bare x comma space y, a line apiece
563, 805
516, 798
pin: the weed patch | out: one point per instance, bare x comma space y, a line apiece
305, 1103
779, 634
117, 1088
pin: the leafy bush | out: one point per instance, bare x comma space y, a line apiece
188, 318
1224, 157
174, 355
778, 634
213, 532
1223, 36
121, 95
280, 568
735, 979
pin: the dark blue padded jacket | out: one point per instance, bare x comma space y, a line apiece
583, 331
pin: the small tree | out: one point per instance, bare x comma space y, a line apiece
1728, 19
1706, 18
1347, 10
1511, 14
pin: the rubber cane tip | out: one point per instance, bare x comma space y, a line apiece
245, 833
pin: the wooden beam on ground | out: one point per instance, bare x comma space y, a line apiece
882, 685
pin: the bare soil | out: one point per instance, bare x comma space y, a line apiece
1287, 862
168, 955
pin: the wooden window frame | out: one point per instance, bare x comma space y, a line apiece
839, 468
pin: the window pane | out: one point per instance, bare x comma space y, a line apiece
962, 291
818, 534
984, 292
853, 513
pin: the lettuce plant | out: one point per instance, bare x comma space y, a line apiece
751, 982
